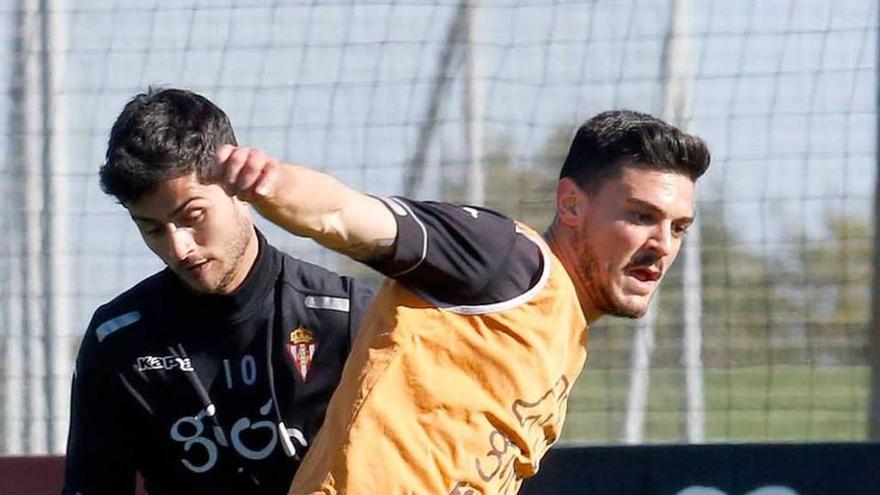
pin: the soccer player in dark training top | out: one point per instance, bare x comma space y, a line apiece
214, 375
458, 381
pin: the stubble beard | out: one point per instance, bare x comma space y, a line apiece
601, 294
234, 252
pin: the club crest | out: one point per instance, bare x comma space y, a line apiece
301, 346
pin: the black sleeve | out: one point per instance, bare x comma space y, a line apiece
461, 255
100, 449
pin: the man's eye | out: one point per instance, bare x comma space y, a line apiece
190, 218
642, 218
196, 216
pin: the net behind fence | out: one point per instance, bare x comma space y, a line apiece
477, 101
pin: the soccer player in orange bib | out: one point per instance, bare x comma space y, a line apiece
459, 377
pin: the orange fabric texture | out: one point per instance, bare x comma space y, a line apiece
442, 401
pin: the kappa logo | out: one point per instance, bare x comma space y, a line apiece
147, 363
301, 346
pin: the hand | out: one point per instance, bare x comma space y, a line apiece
248, 173
307, 203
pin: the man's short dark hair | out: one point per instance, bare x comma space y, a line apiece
611, 140
162, 134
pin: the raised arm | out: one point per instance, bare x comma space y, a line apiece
308, 203
458, 255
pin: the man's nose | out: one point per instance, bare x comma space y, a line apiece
181, 243
661, 239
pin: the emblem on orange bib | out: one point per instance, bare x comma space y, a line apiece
301, 346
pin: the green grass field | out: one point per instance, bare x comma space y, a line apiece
746, 404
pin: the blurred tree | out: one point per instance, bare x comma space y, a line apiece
831, 280
523, 188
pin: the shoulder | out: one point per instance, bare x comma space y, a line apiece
314, 282
334, 299
307, 277
119, 322
130, 306
460, 254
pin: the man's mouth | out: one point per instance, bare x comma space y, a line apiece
644, 274
194, 267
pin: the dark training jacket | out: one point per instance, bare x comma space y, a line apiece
210, 394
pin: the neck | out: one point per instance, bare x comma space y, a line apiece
248, 258
561, 244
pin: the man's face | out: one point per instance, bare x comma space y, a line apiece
205, 236
631, 231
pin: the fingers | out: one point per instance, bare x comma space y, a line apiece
223, 152
268, 180
245, 168
248, 173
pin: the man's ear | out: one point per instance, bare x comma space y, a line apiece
570, 202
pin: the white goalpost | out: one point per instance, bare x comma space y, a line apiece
678, 74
